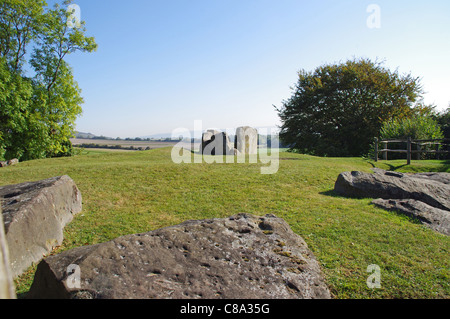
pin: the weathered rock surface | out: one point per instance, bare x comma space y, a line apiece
207, 138
435, 218
233, 258
246, 140
7, 290
440, 177
34, 215
11, 162
425, 196
393, 185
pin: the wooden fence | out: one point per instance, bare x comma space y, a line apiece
437, 143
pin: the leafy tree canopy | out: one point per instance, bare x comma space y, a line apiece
38, 113
338, 109
443, 119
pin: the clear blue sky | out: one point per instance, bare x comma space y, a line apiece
162, 65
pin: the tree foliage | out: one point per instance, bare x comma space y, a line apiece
38, 113
417, 127
338, 109
443, 119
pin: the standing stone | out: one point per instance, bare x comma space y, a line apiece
6, 284
34, 215
207, 138
216, 143
246, 141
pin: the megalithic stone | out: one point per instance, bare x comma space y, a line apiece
246, 140
34, 217
196, 259
7, 290
207, 138
216, 143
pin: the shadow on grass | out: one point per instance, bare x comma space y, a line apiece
411, 218
395, 167
442, 166
403, 214
332, 193
445, 167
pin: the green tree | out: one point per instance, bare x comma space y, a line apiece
338, 109
443, 120
56, 42
20, 22
38, 113
16, 120
60, 107
416, 127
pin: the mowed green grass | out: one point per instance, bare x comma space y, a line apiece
135, 192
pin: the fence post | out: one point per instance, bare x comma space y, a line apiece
408, 150
376, 149
385, 153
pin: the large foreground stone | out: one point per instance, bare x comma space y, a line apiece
440, 177
34, 215
424, 196
238, 257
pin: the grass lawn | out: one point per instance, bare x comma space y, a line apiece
134, 192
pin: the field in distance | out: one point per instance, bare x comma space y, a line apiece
122, 143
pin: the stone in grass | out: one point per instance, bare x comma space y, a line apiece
34, 216
241, 257
423, 196
392, 185
11, 162
432, 217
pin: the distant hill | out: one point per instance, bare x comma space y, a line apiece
84, 135
158, 136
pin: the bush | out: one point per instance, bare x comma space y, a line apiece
66, 151
444, 121
417, 127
